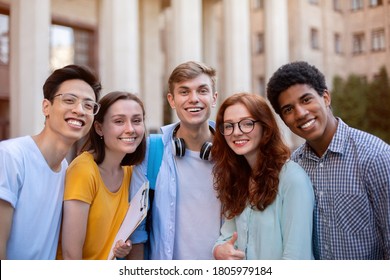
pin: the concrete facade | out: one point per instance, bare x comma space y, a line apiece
137, 43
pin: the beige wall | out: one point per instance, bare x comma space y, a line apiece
156, 22
85, 11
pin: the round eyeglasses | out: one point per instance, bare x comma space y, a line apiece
69, 100
245, 126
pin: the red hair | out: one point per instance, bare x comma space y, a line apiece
232, 172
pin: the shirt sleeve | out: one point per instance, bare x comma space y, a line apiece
227, 230
297, 213
81, 181
11, 175
378, 181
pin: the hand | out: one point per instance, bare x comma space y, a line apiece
122, 249
227, 251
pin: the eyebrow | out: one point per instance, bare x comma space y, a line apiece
123, 115
187, 87
243, 118
71, 93
300, 98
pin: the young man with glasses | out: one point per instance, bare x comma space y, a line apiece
186, 214
267, 200
32, 168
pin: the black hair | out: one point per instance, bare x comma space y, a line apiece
299, 72
70, 72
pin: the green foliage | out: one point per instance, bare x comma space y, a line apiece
364, 105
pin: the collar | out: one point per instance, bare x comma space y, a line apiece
337, 145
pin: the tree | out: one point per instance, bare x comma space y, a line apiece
378, 107
364, 105
349, 100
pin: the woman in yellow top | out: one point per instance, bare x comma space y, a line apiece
97, 181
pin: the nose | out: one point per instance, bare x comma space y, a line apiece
78, 109
236, 129
300, 112
193, 96
129, 127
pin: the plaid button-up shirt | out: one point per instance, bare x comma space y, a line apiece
351, 183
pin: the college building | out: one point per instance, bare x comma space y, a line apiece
134, 45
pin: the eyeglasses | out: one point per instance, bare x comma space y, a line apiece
245, 126
69, 100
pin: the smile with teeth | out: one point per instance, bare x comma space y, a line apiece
128, 139
309, 123
240, 142
76, 123
194, 110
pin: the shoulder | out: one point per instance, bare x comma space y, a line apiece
292, 169
17, 150
294, 176
369, 151
16, 144
83, 163
298, 152
366, 142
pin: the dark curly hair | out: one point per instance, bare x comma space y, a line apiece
299, 72
232, 172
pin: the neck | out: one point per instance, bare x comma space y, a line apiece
194, 137
320, 147
53, 149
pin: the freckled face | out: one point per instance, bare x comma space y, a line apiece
245, 144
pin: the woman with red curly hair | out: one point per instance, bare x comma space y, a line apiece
267, 199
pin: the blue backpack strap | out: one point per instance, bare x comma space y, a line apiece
156, 150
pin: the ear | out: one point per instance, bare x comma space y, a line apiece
215, 96
171, 100
98, 128
46, 104
327, 98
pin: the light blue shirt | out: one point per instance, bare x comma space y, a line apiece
36, 193
352, 189
164, 210
284, 229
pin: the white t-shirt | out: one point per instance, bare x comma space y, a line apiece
198, 214
36, 193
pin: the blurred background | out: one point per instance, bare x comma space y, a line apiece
134, 45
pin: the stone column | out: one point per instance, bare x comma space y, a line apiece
276, 35
30, 28
277, 51
236, 47
152, 92
187, 31
119, 45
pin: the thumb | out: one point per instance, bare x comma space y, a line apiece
233, 239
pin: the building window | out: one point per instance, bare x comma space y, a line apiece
314, 39
374, 3
259, 43
357, 5
337, 44
337, 5
258, 4
4, 39
378, 40
358, 43
70, 45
